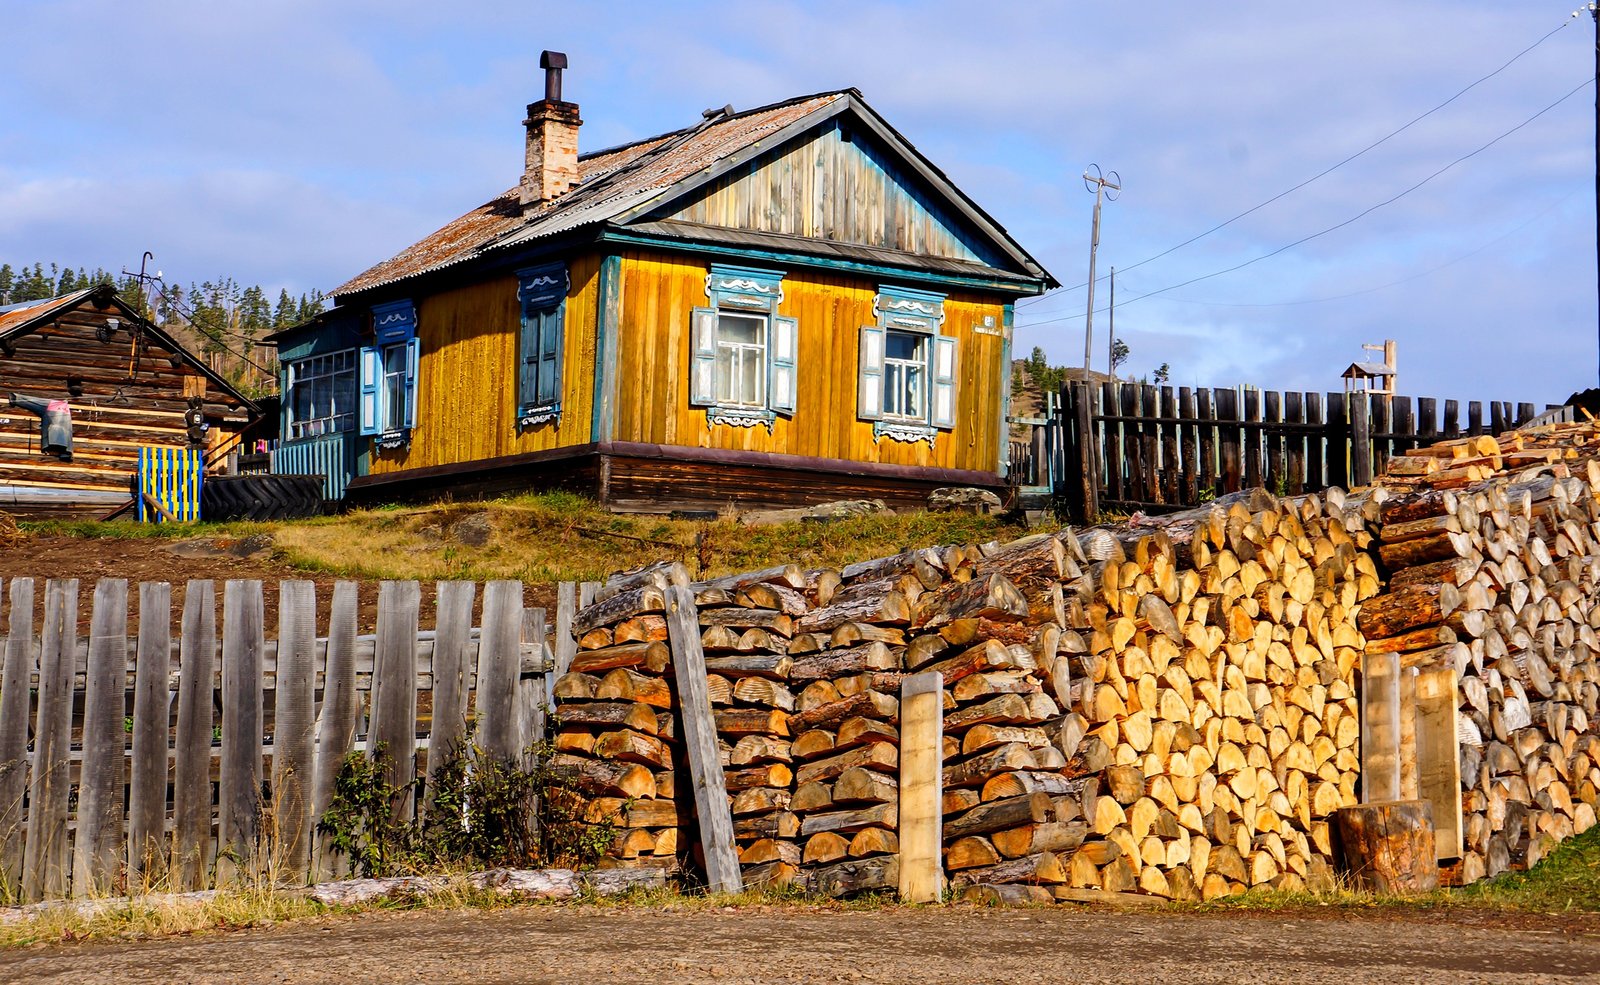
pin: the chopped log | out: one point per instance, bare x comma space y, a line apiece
624, 684
778, 824
605, 779
866, 703
855, 876
997, 815
772, 665
1404, 610
992, 597
861, 731
858, 785
770, 850
879, 754
754, 749
981, 768
1005, 709
751, 721
990, 655
1388, 847
651, 656
770, 775
869, 606
1043, 868
640, 629
813, 796
624, 605
874, 841
839, 663
824, 847
972, 852
773, 596
1029, 839
609, 714
883, 815
1016, 784
810, 745
633, 747
762, 691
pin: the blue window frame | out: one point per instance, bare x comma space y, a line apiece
388, 375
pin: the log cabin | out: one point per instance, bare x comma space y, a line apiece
85, 383
773, 307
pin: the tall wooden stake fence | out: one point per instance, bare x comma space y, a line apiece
140, 760
1131, 446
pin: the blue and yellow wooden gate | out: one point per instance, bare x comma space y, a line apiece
170, 478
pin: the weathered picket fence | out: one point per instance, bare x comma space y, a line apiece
131, 761
1131, 446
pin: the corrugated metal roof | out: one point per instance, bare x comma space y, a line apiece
611, 182
23, 312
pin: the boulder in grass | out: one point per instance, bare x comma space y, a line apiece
963, 499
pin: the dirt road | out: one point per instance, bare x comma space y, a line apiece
550, 944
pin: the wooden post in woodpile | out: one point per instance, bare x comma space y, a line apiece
1388, 847
700, 743
921, 813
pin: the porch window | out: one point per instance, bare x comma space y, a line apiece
321, 394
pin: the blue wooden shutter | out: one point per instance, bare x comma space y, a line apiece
869, 381
371, 404
413, 352
942, 413
785, 343
703, 357
528, 366
551, 324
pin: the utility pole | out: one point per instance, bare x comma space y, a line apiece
1097, 183
1111, 329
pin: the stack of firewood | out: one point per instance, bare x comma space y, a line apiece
1498, 581
614, 726
1217, 711
747, 622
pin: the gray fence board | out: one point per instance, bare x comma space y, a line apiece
45, 860
21, 659
239, 795
191, 785
147, 781
293, 736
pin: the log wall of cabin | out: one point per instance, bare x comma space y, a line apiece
660, 290
124, 405
467, 375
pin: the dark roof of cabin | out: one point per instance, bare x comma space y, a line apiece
26, 316
23, 312
619, 180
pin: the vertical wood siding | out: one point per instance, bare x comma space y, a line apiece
847, 191
658, 292
467, 377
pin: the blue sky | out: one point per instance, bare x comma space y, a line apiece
295, 143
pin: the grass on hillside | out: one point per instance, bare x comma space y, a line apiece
559, 537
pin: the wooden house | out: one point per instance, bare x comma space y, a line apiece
85, 383
778, 306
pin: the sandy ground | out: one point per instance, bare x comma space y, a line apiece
666, 946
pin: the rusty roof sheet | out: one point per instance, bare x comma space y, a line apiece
24, 312
611, 182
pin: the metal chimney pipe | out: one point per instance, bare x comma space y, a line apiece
552, 62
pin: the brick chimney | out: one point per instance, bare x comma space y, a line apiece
552, 157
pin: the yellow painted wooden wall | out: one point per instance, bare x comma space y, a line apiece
658, 292
467, 375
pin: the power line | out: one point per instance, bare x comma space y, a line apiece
1340, 225
189, 314
1321, 174
1519, 227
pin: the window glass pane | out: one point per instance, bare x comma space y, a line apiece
740, 328
904, 345
394, 387
750, 388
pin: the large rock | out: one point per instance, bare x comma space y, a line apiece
963, 499
842, 509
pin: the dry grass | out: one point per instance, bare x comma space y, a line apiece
1567, 880
561, 537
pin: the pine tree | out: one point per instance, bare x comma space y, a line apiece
8, 278
284, 317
